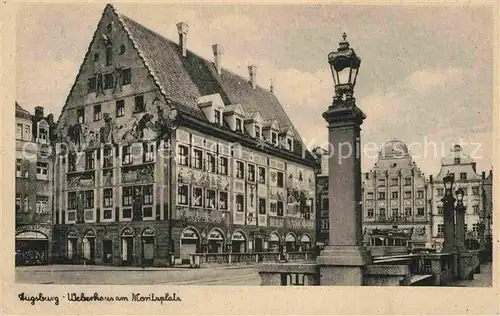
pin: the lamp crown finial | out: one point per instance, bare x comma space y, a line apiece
344, 36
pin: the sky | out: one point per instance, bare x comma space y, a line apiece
426, 75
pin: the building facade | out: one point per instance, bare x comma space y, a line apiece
33, 186
162, 153
463, 168
395, 208
322, 223
488, 208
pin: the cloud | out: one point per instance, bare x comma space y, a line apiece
425, 79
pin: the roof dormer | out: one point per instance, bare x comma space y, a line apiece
270, 130
234, 116
253, 124
287, 137
42, 132
213, 107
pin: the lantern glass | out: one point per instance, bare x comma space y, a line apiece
460, 195
344, 75
448, 182
354, 75
334, 75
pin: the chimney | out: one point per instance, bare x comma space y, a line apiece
271, 88
430, 178
39, 111
218, 51
182, 28
252, 70
483, 175
474, 166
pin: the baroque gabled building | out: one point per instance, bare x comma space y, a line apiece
396, 211
33, 186
463, 168
163, 154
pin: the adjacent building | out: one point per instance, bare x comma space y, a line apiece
162, 153
488, 208
323, 222
395, 206
463, 168
33, 186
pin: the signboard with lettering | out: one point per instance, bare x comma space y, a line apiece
36, 228
238, 236
148, 231
215, 235
127, 232
189, 234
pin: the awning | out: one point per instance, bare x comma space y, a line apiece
31, 236
290, 238
305, 238
274, 237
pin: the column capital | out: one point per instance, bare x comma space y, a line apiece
344, 111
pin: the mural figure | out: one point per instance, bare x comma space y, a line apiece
100, 86
80, 208
108, 131
251, 195
75, 135
117, 78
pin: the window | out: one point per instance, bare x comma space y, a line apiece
262, 206
89, 160
457, 161
465, 227
107, 198
279, 207
408, 211
325, 204
97, 112
463, 175
223, 166
183, 155
381, 195
370, 213
71, 216
239, 123
240, 170
239, 203
289, 142
148, 153
107, 214
381, 182
251, 172
80, 114
42, 171
475, 191
96, 57
280, 179
210, 199
273, 208
92, 84
147, 212
127, 196
475, 227
108, 157
262, 175
325, 224
19, 168
127, 213
89, 199
440, 192
217, 114
394, 182
108, 81
407, 181
27, 132
223, 200
19, 206
440, 210
369, 196
127, 155
197, 196
420, 194
183, 194
72, 200
42, 205
197, 159
395, 212
147, 194
120, 108
126, 76
139, 104
42, 135
394, 195
109, 56
440, 229
420, 211
407, 194
274, 138
258, 132
381, 212
211, 162
19, 131
475, 209
71, 162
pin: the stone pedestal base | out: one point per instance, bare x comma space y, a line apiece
343, 265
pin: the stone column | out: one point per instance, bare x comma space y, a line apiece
449, 223
342, 260
460, 228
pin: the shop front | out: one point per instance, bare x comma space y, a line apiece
89, 246
238, 242
127, 246
274, 242
305, 242
189, 243
72, 246
215, 241
290, 242
148, 246
32, 248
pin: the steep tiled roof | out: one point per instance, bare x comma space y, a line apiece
22, 113
185, 79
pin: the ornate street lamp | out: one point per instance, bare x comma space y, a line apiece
344, 64
448, 181
460, 220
